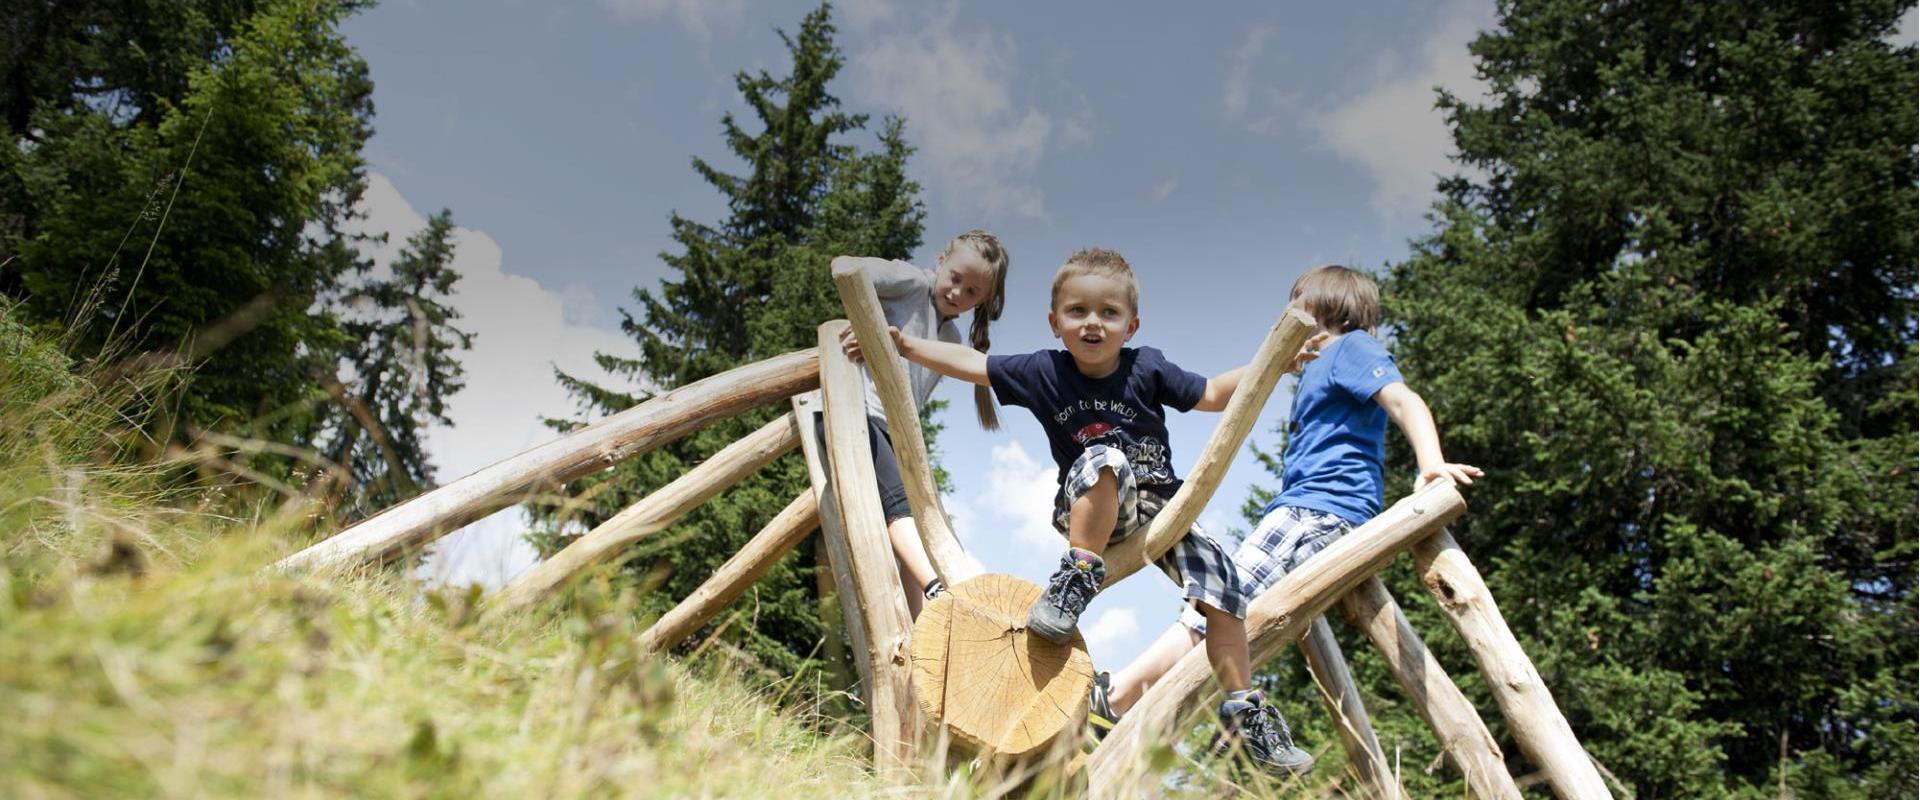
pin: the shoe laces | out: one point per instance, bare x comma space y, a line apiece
1072, 587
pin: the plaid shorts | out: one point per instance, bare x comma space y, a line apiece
1196, 563
1285, 538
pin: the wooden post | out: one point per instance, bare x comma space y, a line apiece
597, 446
1350, 720
1283, 342
650, 515
833, 535
1276, 618
886, 367
780, 535
1464, 737
895, 715
1535, 721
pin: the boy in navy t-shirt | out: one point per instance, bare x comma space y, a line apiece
1103, 407
1331, 478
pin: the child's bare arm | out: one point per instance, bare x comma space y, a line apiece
946, 358
1416, 421
1220, 389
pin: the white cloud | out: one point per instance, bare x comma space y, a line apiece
864, 14
699, 17
1240, 72
1392, 129
1907, 30
954, 88
1165, 188
521, 331
1111, 628
1017, 502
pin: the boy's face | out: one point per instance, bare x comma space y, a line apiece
1092, 318
961, 281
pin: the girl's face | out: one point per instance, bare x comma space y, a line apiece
961, 281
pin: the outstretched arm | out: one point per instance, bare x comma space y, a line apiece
1416, 421
946, 358
1220, 388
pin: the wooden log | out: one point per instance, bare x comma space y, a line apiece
833, 537
1535, 721
1283, 342
1463, 736
597, 446
997, 690
650, 515
1350, 720
889, 374
774, 541
1279, 616
876, 579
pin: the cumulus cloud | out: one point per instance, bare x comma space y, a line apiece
699, 17
521, 331
1391, 127
1907, 31
1111, 628
1017, 502
1240, 72
955, 89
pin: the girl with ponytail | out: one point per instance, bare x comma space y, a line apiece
969, 275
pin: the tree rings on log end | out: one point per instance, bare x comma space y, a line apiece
977, 670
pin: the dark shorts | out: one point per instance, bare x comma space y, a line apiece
886, 473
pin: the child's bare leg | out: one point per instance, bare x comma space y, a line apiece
1133, 680
916, 570
1227, 649
1090, 523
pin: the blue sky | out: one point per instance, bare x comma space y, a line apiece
1223, 153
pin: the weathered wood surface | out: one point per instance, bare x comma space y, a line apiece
1278, 617
876, 579
889, 374
1532, 717
807, 412
1349, 713
996, 689
1283, 342
1455, 723
649, 515
603, 444
774, 541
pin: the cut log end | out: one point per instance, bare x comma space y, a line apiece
977, 670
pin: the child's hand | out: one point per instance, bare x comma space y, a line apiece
1451, 473
850, 343
1308, 352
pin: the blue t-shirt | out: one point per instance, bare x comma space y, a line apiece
1337, 434
1123, 409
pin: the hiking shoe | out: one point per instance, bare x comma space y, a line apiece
934, 588
1058, 610
1248, 724
1100, 713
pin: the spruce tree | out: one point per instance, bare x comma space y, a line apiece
746, 288
1669, 306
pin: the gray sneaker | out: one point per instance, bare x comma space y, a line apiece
1247, 723
933, 589
1058, 610
1100, 714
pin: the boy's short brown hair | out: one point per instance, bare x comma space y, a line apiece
1097, 261
1340, 298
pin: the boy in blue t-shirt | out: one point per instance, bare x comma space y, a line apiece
1102, 406
1331, 478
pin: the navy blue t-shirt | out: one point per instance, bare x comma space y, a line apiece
1123, 409
1337, 436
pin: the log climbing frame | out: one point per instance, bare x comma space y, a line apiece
967, 668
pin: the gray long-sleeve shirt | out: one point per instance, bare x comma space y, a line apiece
906, 298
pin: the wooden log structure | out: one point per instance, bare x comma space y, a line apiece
603, 444
1283, 342
1350, 720
807, 412
887, 369
890, 702
1535, 721
1278, 617
1462, 735
649, 515
777, 538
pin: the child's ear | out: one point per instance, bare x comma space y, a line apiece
1133, 326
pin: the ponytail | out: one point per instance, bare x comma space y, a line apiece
984, 314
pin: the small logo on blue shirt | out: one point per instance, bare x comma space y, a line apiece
1379, 371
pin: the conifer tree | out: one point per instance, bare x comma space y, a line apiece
746, 288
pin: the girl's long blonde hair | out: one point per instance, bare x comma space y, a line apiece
988, 247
